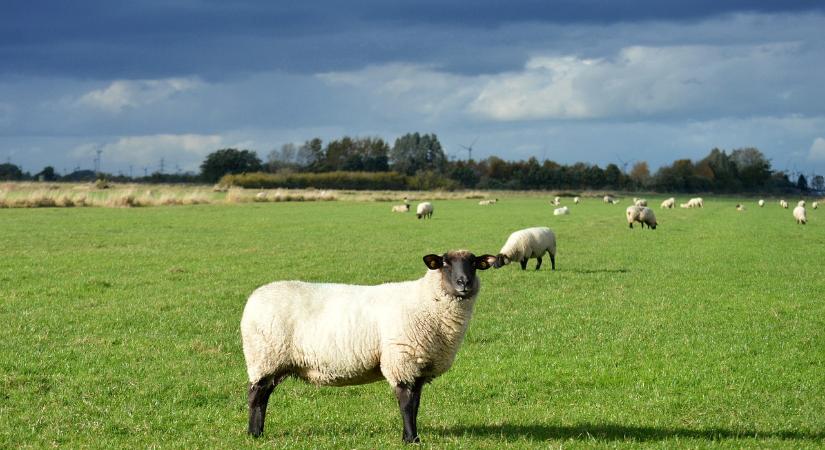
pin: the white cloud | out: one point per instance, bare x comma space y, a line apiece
817, 150
184, 150
123, 94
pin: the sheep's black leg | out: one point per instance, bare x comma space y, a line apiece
409, 397
538, 264
258, 399
630, 225
553, 261
524, 264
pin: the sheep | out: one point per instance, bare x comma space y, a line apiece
424, 210
761, 203
668, 203
401, 208
407, 333
488, 202
260, 196
576, 200
740, 207
563, 211
783, 204
641, 214
609, 199
614, 202
697, 202
640, 202
525, 244
799, 215
557, 201
684, 205
801, 203
814, 205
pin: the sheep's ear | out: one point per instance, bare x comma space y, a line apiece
433, 262
484, 262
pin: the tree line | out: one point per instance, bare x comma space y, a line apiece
418, 161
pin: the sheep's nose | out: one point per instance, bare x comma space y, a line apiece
461, 281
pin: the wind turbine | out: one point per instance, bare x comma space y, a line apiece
624, 163
469, 149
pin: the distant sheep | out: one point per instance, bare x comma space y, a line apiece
576, 200
669, 203
640, 202
740, 207
563, 211
799, 215
488, 202
557, 201
761, 203
697, 202
814, 205
632, 214
424, 210
684, 205
525, 244
609, 199
401, 208
326, 334
783, 204
801, 203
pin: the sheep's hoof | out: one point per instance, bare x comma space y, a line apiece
412, 440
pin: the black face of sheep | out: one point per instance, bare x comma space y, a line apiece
458, 271
500, 261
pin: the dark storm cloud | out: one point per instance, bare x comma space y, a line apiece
102, 39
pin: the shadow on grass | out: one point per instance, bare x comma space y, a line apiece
613, 432
588, 271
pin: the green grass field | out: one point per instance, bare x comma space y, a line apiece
120, 327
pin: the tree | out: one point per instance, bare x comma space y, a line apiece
640, 174
311, 155
47, 174
285, 158
229, 160
818, 183
802, 183
413, 152
753, 168
10, 172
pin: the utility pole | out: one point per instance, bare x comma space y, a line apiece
130, 171
161, 165
97, 161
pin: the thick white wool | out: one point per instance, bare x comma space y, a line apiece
576, 200
647, 217
799, 215
424, 209
633, 214
401, 208
669, 203
529, 243
783, 204
801, 203
761, 203
815, 205
561, 211
338, 334
640, 202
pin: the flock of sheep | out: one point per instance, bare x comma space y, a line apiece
407, 333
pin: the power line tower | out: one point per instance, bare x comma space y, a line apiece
97, 161
161, 165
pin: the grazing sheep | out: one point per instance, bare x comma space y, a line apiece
407, 333
669, 203
561, 211
740, 207
641, 214
557, 201
424, 210
401, 208
576, 200
640, 202
799, 215
761, 203
801, 203
783, 204
488, 202
614, 202
525, 244
696, 202
609, 199
814, 205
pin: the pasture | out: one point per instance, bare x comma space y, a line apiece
121, 326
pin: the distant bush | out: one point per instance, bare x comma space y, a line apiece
338, 180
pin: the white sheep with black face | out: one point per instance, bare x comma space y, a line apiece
800, 216
668, 203
528, 243
424, 210
407, 333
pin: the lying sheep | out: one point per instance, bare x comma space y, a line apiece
761, 203
563, 211
783, 204
401, 208
800, 216
740, 207
668, 203
424, 210
488, 202
407, 333
684, 205
525, 244
640, 202
576, 200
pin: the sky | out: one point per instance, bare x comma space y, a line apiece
595, 81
